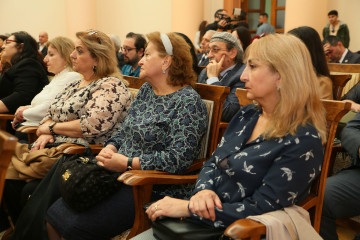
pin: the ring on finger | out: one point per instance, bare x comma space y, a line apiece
156, 207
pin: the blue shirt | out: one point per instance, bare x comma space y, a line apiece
260, 176
265, 28
127, 70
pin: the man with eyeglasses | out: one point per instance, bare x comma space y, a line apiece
133, 51
202, 57
338, 28
224, 69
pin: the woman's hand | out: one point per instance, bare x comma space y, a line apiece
43, 128
168, 207
203, 204
19, 116
110, 159
42, 141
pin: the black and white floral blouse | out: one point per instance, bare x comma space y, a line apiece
101, 107
262, 175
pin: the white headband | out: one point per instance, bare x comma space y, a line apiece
167, 44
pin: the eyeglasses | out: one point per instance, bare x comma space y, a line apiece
8, 41
216, 50
127, 49
91, 33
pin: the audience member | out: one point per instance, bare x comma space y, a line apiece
200, 33
338, 28
337, 53
43, 38
117, 44
2, 39
26, 76
264, 26
202, 57
196, 68
88, 111
224, 69
58, 62
312, 41
342, 192
353, 97
162, 132
220, 21
287, 126
133, 51
243, 35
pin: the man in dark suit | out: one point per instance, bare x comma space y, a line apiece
224, 69
43, 38
337, 53
203, 59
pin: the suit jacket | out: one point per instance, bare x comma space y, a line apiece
204, 62
351, 57
350, 139
232, 80
43, 51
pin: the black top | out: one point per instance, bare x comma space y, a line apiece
21, 82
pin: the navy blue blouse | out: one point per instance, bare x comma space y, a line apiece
262, 175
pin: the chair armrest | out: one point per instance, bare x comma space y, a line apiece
27, 129
71, 148
150, 179
128, 174
244, 229
223, 125
6, 116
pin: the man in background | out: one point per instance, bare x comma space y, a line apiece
264, 26
335, 27
43, 38
202, 57
337, 53
133, 50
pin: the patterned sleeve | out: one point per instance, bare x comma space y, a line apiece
287, 179
104, 108
184, 139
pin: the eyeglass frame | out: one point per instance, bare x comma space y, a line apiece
92, 32
127, 49
216, 50
10, 41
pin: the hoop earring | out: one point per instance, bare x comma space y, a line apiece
94, 69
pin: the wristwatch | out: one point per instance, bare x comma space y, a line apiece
51, 126
129, 163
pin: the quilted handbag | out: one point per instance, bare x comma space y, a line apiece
83, 183
185, 229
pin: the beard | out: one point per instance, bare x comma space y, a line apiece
132, 61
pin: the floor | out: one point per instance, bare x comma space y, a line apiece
345, 233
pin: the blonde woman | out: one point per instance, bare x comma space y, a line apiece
270, 153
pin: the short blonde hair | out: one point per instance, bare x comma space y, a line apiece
64, 46
181, 71
299, 88
102, 49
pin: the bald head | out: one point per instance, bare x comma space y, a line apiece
43, 37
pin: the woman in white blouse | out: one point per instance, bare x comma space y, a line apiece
58, 62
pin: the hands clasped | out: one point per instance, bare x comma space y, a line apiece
110, 159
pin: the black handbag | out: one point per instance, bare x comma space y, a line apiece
185, 229
83, 183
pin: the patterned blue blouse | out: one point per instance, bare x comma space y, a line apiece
262, 175
163, 131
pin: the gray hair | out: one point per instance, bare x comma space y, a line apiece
116, 40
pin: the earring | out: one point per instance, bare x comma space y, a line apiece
278, 88
163, 71
94, 69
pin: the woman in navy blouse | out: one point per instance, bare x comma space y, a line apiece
271, 151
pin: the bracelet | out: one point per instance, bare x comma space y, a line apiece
129, 163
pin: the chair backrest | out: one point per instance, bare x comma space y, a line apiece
339, 82
214, 97
241, 95
340, 69
134, 82
7, 149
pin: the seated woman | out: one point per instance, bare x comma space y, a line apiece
88, 111
311, 38
162, 131
271, 151
26, 75
58, 62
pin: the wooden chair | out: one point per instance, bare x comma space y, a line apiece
134, 82
249, 229
352, 69
4, 118
339, 82
7, 149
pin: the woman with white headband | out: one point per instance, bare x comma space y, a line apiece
162, 131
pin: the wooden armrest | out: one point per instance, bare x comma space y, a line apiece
71, 148
223, 125
245, 228
27, 129
128, 174
150, 179
6, 116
